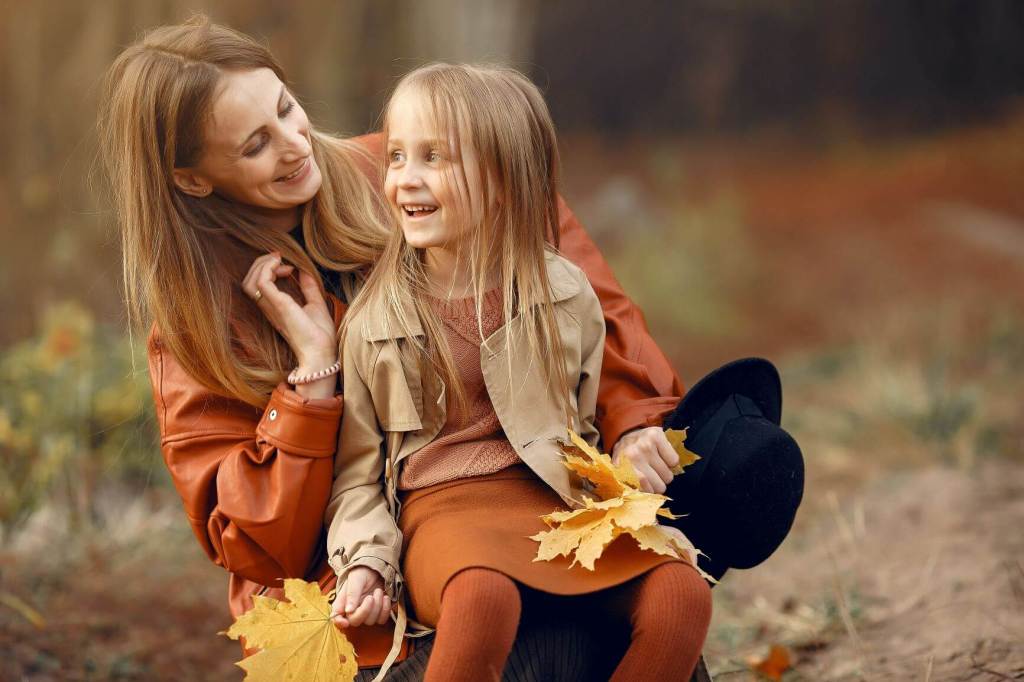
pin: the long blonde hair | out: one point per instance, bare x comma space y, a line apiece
185, 257
502, 116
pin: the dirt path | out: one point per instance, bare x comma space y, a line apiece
919, 577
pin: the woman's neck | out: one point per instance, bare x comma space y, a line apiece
277, 219
449, 276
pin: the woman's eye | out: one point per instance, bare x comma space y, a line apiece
287, 110
258, 148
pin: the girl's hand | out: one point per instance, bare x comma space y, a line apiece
650, 453
361, 599
308, 329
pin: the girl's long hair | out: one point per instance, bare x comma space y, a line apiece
185, 257
502, 117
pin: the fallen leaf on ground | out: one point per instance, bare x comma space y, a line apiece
296, 638
622, 508
772, 666
677, 438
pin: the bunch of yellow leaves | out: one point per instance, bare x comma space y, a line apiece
298, 642
621, 508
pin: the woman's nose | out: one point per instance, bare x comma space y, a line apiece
296, 145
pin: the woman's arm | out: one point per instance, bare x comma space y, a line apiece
254, 483
638, 385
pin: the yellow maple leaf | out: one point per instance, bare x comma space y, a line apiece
677, 438
623, 508
609, 479
297, 640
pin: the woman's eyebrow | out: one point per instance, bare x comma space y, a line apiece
280, 98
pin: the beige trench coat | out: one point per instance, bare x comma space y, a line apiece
391, 411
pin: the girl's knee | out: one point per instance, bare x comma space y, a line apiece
674, 593
484, 590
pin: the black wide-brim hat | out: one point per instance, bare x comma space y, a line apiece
742, 495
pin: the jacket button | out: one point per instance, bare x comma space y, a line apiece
272, 415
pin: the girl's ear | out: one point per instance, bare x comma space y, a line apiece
190, 182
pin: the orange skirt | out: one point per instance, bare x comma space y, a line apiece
486, 522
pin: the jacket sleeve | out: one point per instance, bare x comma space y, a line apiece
254, 483
360, 528
638, 386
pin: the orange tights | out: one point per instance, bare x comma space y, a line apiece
669, 610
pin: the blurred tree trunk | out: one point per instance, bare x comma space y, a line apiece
471, 30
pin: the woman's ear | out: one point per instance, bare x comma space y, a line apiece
190, 182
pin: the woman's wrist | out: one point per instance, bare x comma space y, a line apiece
324, 387
321, 388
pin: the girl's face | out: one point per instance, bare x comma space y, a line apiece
256, 148
435, 191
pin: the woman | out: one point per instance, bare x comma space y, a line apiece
244, 232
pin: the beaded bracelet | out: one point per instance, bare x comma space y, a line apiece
295, 380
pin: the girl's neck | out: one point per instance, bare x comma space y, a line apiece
448, 275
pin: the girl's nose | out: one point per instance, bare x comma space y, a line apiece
410, 177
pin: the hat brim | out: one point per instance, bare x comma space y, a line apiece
756, 378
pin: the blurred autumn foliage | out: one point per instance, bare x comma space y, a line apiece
833, 185
72, 412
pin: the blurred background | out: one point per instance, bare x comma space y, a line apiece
835, 186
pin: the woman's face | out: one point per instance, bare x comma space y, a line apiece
256, 147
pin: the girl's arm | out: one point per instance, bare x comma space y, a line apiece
254, 482
360, 528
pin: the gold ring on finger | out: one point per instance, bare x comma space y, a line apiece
257, 296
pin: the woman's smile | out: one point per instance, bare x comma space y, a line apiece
298, 175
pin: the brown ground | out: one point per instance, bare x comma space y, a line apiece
886, 280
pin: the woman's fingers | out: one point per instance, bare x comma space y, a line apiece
650, 481
311, 289
660, 469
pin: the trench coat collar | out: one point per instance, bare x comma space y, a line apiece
564, 285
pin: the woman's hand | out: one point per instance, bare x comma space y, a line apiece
650, 453
361, 599
308, 329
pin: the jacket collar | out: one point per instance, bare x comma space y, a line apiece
564, 285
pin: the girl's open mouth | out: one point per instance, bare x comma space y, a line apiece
418, 210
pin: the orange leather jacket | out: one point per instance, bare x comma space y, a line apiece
255, 482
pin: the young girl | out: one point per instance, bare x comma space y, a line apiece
470, 350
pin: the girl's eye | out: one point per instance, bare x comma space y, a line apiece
287, 110
395, 156
433, 156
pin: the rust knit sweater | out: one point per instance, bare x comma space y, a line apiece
470, 444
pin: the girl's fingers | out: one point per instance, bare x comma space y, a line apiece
385, 610
359, 616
